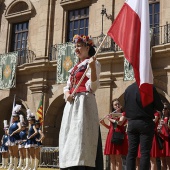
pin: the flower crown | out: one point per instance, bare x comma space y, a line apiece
83, 38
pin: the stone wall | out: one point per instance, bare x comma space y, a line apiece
47, 26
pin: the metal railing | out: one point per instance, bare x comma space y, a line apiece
160, 35
49, 157
25, 56
109, 44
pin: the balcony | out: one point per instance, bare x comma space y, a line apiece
25, 56
158, 35
49, 157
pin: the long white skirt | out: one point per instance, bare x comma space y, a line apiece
79, 131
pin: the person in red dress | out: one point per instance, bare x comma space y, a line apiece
113, 150
155, 150
165, 132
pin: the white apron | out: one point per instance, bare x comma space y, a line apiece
79, 131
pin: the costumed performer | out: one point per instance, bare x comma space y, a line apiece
21, 146
39, 138
79, 139
4, 148
13, 138
31, 142
117, 124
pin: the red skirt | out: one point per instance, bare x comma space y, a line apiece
155, 151
113, 149
121, 149
164, 135
108, 150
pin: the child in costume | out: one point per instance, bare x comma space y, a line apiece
4, 148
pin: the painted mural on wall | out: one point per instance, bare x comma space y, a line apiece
65, 61
8, 64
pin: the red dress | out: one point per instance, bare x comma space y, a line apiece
155, 151
164, 134
109, 145
113, 149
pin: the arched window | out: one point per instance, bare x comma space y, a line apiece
19, 11
18, 14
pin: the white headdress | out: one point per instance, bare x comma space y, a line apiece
30, 115
5, 124
36, 117
16, 109
21, 118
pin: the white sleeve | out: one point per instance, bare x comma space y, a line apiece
67, 87
93, 86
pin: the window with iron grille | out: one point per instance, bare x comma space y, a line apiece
78, 21
19, 38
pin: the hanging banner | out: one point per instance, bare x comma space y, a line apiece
66, 59
128, 71
8, 64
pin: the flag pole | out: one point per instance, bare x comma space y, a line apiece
43, 106
13, 105
95, 56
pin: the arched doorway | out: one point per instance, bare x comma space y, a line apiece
52, 121
6, 106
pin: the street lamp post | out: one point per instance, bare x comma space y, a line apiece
102, 35
103, 12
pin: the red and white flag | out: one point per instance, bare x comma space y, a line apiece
130, 31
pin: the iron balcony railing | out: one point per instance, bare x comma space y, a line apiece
25, 56
158, 35
49, 157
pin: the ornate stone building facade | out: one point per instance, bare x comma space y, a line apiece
34, 28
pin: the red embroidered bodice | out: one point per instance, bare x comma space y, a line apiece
75, 77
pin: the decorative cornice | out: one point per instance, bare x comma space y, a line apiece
16, 16
29, 68
38, 88
163, 48
72, 4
